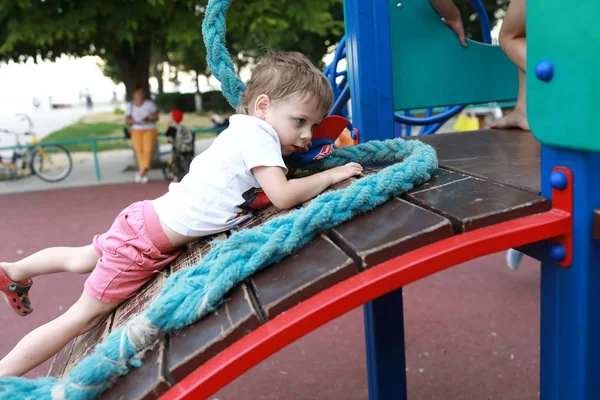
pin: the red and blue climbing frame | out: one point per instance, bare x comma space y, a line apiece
555, 225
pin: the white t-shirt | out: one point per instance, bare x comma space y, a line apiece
219, 192
140, 113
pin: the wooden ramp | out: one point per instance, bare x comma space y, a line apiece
485, 178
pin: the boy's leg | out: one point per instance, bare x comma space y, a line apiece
513, 43
45, 341
80, 260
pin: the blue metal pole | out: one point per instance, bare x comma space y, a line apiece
369, 68
370, 80
96, 164
570, 297
384, 335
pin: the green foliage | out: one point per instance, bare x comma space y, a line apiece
126, 33
213, 100
167, 102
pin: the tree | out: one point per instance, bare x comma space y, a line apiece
122, 32
191, 56
127, 33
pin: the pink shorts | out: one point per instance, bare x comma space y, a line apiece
134, 248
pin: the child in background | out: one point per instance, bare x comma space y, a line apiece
183, 145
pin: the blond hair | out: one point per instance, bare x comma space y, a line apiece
279, 75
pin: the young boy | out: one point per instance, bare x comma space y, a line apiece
183, 145
284, 100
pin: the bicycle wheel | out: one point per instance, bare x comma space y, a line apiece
51, 163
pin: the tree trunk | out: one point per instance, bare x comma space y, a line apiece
198, 96
158, 74
133, 61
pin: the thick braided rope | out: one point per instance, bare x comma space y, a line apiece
198, 290
218, 58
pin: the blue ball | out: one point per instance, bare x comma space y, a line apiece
544, 71
558, 180
558, 252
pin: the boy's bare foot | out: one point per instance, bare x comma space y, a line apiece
516, 119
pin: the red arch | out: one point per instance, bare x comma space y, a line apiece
362, 288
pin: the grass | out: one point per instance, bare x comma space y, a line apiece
111, 125
81, 130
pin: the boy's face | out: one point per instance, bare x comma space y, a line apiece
292, 118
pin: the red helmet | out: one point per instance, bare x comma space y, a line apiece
177, 115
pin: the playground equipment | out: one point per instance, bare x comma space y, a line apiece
405, 120
424, 231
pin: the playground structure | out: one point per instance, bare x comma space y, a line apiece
338, 78
483, 199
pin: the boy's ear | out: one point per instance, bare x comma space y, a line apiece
261, 106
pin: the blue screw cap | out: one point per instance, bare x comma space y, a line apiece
544, 71
558, 180
558, 252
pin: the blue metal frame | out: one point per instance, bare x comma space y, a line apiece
369, 68
403, 123
370, 78
570, 297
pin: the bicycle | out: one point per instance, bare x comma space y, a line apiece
50, 163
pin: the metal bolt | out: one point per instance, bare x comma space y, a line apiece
399, 5
558, 180
558, 252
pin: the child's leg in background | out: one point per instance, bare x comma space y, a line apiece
80, 260
45, 341
513, 43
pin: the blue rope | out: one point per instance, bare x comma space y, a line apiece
198, 290
218, 58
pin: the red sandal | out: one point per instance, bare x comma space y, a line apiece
16, 294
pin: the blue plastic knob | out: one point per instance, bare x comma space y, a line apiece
558, 252
558, 180
544, 71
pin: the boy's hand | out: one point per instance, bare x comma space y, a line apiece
344, 172
457, 26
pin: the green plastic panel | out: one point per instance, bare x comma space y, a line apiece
561, 111
431, 68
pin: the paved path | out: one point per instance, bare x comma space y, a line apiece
48, 121
112, 170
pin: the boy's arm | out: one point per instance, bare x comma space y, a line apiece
287, 194
451, 17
